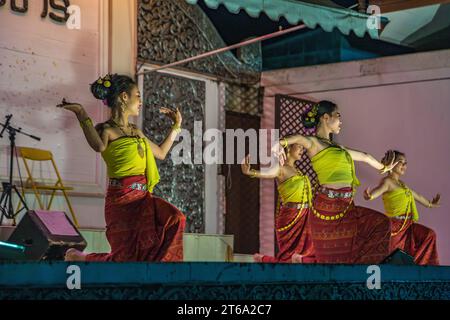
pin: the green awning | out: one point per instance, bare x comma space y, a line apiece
323, 13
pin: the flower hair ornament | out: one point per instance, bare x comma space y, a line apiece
312, 114
105, 81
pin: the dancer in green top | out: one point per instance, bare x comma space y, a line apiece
139, 226
400, 206
291, 223
341, 231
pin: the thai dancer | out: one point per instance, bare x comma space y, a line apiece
400, 206
342, 232
139, 226
291, 223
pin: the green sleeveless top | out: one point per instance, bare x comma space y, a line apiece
334, 165
122, 159
400, 202
295, 189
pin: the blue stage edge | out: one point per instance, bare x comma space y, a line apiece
220, 281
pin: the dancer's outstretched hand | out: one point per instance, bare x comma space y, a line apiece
435, 202
389, 167
367, 195
278, 151
175, 115
74, 107
246, 166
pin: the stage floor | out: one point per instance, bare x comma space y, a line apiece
220, 281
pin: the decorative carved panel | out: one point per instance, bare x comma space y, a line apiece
244, 99
182, 184
288, 120
172, 30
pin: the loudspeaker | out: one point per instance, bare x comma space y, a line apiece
46, 235
399, 257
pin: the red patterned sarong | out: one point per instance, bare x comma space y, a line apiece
140, 226
361, 236
416, 240
293, 236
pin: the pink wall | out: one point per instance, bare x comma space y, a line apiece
398, 102
41, 62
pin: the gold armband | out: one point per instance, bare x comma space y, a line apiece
86, 123
176, 128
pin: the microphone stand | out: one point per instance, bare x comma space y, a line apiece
6, 206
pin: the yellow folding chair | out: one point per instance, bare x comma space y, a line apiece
33, 154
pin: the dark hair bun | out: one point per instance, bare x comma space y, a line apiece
391, 156
309, 122
312, 117
99, 90
110, 87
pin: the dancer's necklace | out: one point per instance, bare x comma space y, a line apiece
295, 168
326, 141
400, 183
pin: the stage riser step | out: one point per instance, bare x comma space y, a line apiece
197, 247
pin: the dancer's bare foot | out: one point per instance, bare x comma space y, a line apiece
257, 257
74, 255
297, 258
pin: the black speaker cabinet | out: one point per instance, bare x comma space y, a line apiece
399, 257
46, 235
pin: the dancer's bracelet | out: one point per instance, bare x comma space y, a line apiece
176, 128
284, 143
252, 173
